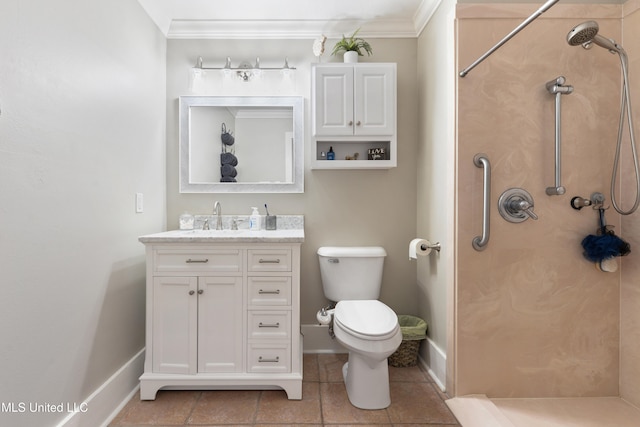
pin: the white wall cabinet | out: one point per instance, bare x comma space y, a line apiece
223, 316
354, 111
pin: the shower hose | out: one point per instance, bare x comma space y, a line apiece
625, 107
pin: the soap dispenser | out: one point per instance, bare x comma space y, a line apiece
254, 220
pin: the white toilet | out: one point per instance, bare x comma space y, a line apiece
352, 276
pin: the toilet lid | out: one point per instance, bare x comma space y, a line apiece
366, 317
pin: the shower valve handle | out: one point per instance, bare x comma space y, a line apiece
516, 205
523, 206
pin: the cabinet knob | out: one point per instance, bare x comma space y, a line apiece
358, 123
350, 122
200, 291
191, 292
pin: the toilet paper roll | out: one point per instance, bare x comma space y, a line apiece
416, 248
323, 319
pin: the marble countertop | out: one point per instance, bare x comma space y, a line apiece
290, 230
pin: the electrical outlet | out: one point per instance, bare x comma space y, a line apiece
139, 203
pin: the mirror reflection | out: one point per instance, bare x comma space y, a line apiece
241, 144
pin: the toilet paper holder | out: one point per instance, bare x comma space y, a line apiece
435, 246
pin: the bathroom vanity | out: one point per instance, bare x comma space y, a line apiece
223, 310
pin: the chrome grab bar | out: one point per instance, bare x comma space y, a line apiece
558, 88
480, 242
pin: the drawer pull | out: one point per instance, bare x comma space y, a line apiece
269, 325
261, 360
192, 261
262, 292
269, 261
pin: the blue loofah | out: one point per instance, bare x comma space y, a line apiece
598, 248
605, 245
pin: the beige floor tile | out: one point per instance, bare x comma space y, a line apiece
336, 407
169, 408
310, 368
413, 402
225, 407
408, 374
330, 367
275, 408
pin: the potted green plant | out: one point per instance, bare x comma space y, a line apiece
352, 47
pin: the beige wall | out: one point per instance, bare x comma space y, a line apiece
435, 181
81, 131
629, 290
340, 207
533, 317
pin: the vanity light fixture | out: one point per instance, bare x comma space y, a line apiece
245, 71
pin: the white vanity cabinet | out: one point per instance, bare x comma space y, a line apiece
222, 315
354, 111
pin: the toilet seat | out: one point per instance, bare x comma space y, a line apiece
366, 319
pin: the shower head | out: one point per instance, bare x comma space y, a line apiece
587, 33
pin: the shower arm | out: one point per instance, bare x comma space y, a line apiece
508, 37
558, 88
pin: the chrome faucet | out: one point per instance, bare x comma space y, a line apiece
217, 211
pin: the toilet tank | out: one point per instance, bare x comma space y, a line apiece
351, 273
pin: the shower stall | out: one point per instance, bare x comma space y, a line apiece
529, 316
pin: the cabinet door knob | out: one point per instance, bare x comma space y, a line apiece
350, 122
200, 291
191, 292
358, 123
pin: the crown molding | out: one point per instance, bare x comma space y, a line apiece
288, 29
423, 14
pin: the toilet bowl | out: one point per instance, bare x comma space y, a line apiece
352, 277
370, 331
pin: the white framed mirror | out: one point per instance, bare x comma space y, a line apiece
263, 151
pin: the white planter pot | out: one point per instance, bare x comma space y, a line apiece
351, 56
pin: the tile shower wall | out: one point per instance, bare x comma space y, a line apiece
534, 318
629, 287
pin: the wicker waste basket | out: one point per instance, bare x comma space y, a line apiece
413, 330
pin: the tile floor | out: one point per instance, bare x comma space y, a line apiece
415, 401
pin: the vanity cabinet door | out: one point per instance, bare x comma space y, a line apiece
220, 336
374, 100
175, 306
333, 100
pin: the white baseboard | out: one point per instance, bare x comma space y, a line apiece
434, 361
317, 340
106, 402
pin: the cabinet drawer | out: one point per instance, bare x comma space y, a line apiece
271, 325
269, 291
269, 358
214, 260
269, 260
